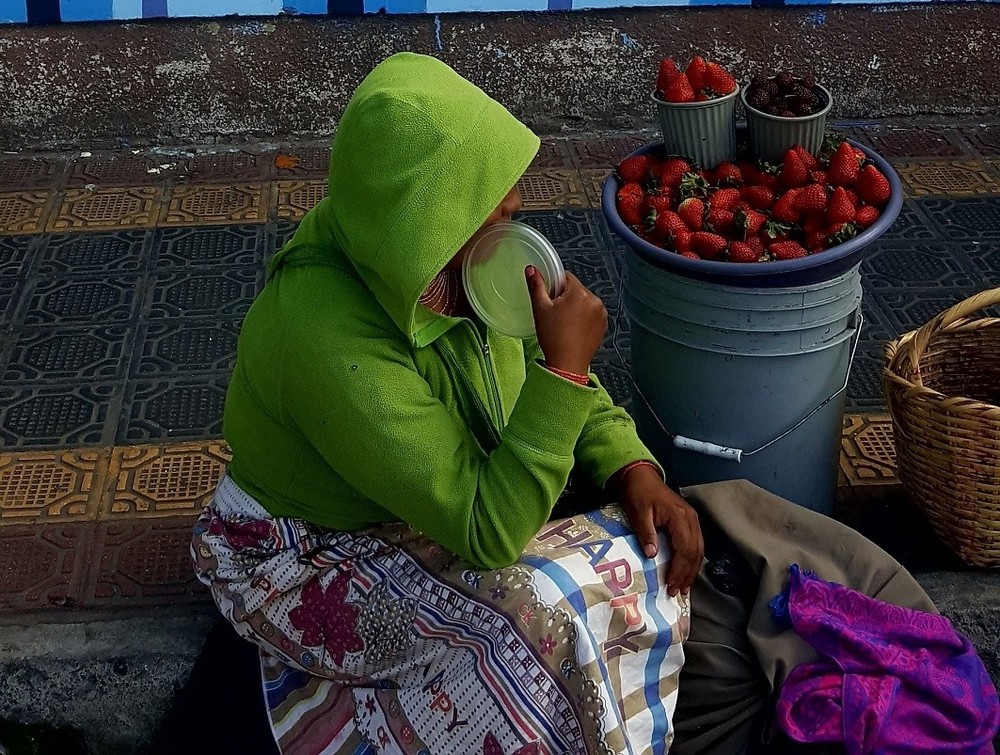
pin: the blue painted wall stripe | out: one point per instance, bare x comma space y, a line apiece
154, 8
86, 10
13, 12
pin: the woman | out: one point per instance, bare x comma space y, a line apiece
382, 532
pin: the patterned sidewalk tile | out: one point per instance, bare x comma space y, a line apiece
971, 219
43, 566
143, 562
39, 487
930, 179
81, 300
163, 480
238, 165
225, 204
223, 292
181, 408
293, 199
985, 140
868, 452
594, 181
568, 230
175, 248
904, 265
112, 209
276, 236
27, 173
904, 143
58, 416
83, 253
604, 154
114, 169
24, 211
68, 354
182, 346
553, 189
16, 255
553, 153
911, 225
864, 388
301, 161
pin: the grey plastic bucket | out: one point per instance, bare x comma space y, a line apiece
757, 374
701, 131
771, 136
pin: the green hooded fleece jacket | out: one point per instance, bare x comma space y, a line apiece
351, 404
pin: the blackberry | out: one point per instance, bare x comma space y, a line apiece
803, 108
785, 81
758, 98
786, 114
771, 87
809, 82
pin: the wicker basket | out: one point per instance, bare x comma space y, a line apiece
942, 383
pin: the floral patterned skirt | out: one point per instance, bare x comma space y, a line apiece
381, 642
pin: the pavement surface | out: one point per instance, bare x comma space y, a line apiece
124, 277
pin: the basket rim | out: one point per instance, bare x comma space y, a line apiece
897, 353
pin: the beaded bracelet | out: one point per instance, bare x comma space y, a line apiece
571, 376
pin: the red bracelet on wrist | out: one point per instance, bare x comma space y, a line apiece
641, 463
571, 376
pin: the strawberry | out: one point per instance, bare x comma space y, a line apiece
840, 232
844, 166
853, 196
702, 95
683, 243
873, 187
727, 174
812, 199
696, 72
667, 69
694, 185
793, 170
749, 171
725, 199
814, 222
787, 250
709, 246
818, 176
719, 80
678, 89
740, 251
660, 202
631, 202
692, 212
816, 241
757, 244
690, 255
770, 181
774, 232
759, 197
785, 209
673, 170
668, 225
866, 215
721, 221
750, 221
841, 208
634, 169
807, 158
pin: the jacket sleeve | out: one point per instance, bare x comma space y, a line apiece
608, 441
375, 420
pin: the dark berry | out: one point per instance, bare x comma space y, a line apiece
785, 81
809, 82
758, 99
803, 108
786, 114
771, 87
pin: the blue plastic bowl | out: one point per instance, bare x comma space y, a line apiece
801, 272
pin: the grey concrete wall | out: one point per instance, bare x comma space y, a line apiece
174, 81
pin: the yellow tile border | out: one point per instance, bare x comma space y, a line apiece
947, 178
43, 487
176, 214
554, 189
868, 454
153, 481
71, 213
38, 206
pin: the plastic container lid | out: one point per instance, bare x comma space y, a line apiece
493, 274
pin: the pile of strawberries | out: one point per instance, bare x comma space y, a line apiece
701, 81
742, 212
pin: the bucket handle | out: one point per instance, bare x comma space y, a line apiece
714, 449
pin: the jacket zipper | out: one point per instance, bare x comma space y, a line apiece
492, 379
491, 425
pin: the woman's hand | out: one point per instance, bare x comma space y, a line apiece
650, 505
570, 327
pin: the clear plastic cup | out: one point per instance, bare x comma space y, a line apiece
493, 275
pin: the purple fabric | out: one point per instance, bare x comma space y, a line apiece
890, 680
